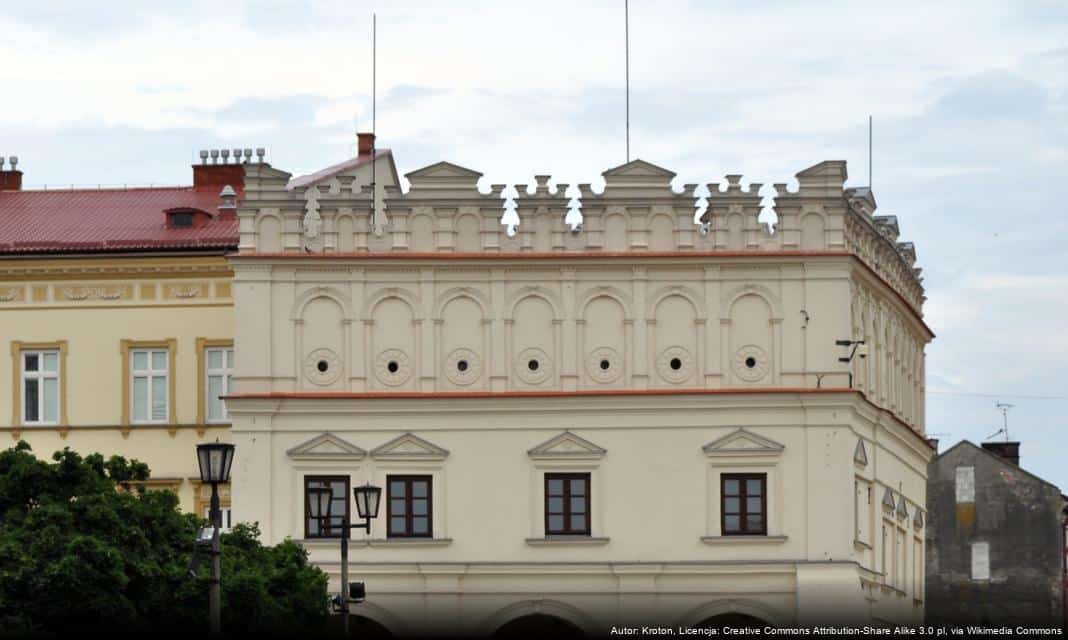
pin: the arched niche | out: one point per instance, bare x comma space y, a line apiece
533, 339
322, 343
735, 232
615, 232
421, 227
268, 233
751, 341
603, 356
461, 340
813, 228
346, 233
676, 353
468, 238
392, 355
662, 233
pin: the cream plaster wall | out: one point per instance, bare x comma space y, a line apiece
348, 340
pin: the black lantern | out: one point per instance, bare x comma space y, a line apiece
215, 459
319, 499
367, 499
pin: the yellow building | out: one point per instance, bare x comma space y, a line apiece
116, 309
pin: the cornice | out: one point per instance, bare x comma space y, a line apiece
112, 267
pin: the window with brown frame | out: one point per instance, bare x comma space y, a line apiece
744, 504
409, 507
567, 504
339, 506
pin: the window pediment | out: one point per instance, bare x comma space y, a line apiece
743, 443
860, 454
568, 446
409, 447
326, 446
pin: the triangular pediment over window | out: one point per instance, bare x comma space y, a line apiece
742, 442
860, 454
409, 447
902, 510
326, 447
567, 445
443, 175
888, 500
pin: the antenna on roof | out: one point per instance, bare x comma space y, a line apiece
869, 153
626, 47
374, 102
1004, 408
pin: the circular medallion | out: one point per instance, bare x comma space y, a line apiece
322, 367
675, 365
533, 366
750, 363
604, 364
462, 367
392, 367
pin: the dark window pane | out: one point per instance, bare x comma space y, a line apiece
578, 523
753, 488
397, 489
420, 526
313, 526
730, 487
419, 489
752, 505
578, 505
754, 523
732, 523
578, 487
419, 507
556, 487
396, 506
396, 525
556, 505
732, 505
32, 362
31, 401
556, 523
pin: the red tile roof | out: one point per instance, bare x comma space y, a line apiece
103, 220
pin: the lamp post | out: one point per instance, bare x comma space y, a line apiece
215, 460
857, 345
319, 504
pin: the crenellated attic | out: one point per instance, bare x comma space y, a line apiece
443, 211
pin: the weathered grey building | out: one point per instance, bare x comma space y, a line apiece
995, 539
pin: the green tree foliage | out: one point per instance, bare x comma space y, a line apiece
81, 550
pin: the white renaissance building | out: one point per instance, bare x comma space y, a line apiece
640, 420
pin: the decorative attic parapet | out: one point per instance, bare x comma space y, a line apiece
638, 211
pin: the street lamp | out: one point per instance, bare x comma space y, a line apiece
859, 348
320, 502
215, 460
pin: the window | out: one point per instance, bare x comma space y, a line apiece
409, 507
40, 387
149, 373
744, 504
339, 506
181, 219
219, 368
567, 504
227, 521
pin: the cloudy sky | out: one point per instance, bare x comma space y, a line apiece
969, 99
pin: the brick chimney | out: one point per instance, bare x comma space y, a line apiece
1008, 451
365, 142
10, 179
221, 170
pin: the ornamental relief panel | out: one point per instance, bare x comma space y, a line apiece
80, 293
12, 294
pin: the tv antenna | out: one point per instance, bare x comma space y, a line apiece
1003, 407
869, 152
626, 64
374, 121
